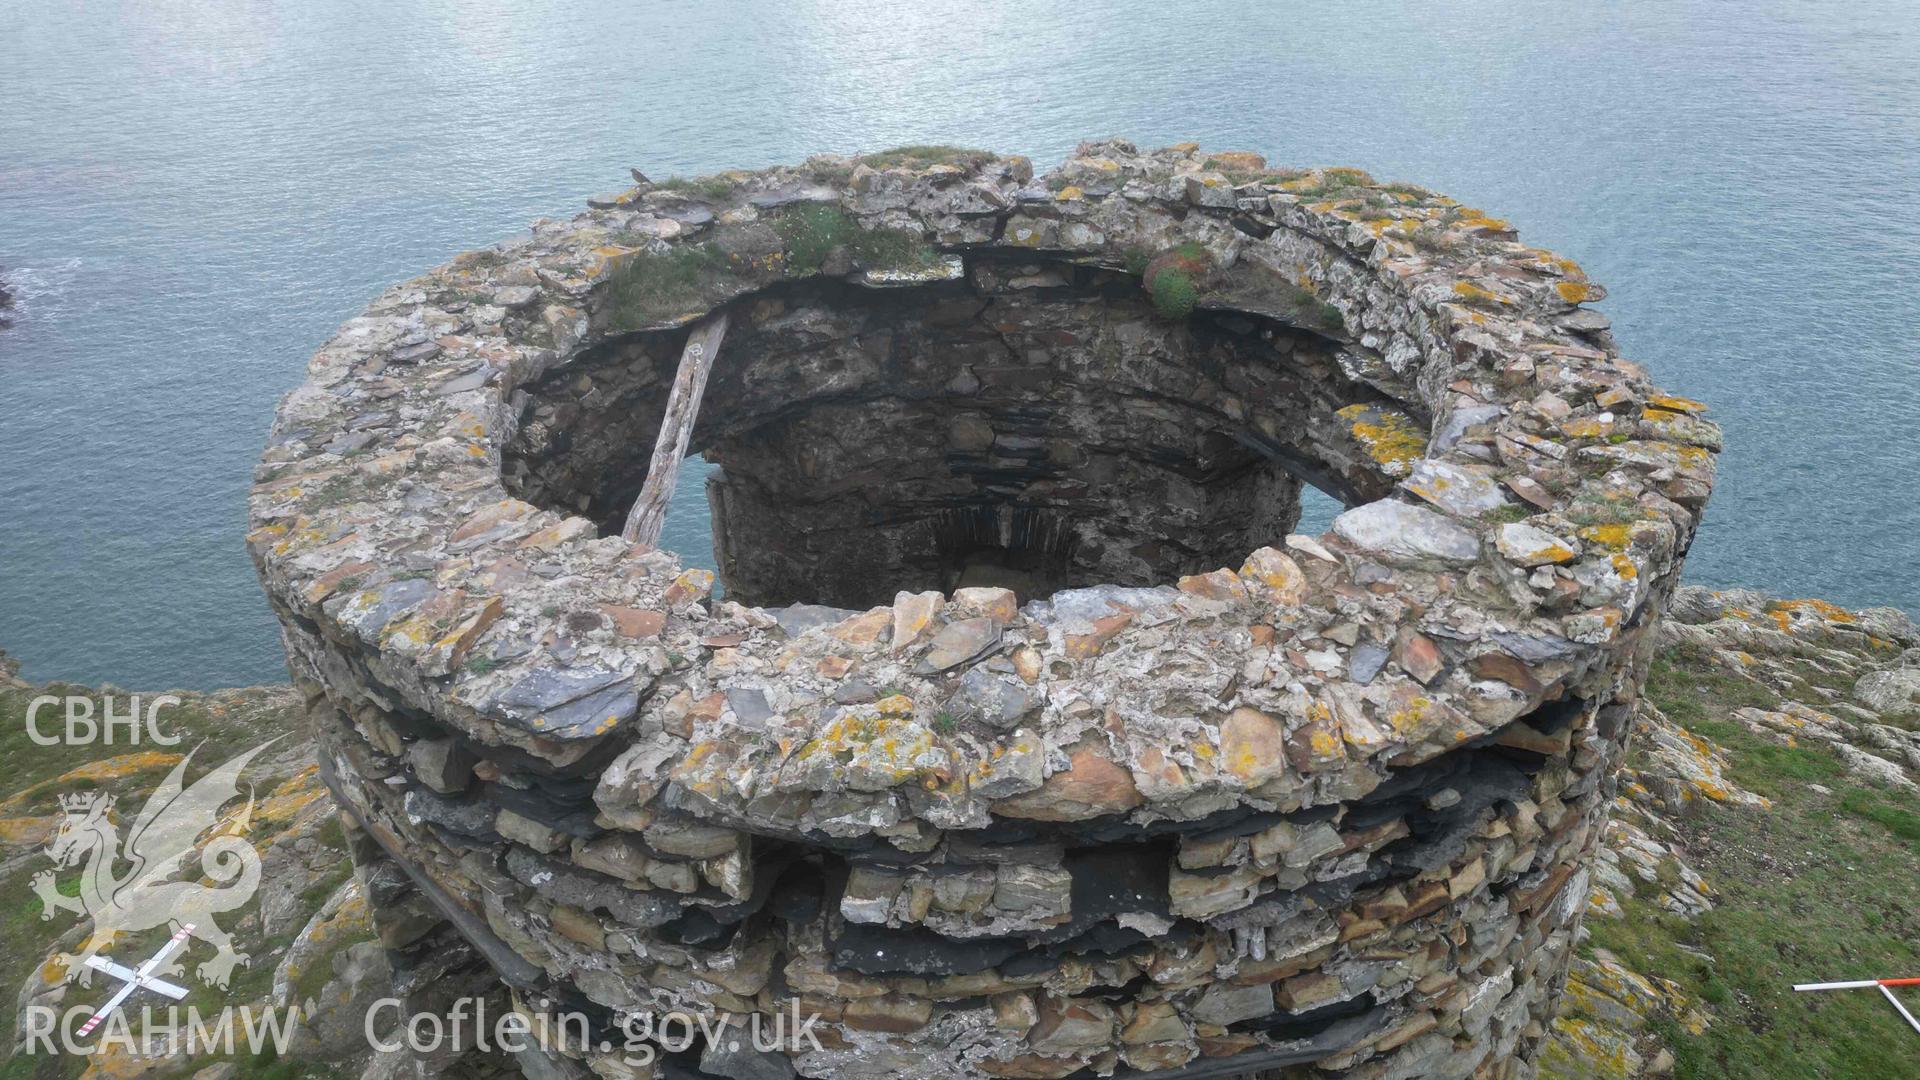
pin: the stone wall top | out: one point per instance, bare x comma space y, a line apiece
1543, 493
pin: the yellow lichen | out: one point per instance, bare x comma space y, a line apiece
1391, 438
1552, 553
1324, 743
27, 832
1407, 720
1676, 404
1828, 611
1472, 293
1613, 536
1587, 427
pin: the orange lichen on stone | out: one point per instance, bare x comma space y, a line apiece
1587, 427
1480, 223
1279, 575
1613, 536
1553, 553
27, 832
1676, 404
1474, 294
1252, 746
114, 768
1390, 438
690, 585
1694, 457
1410, 717
609, 258
1828, 611
292, 796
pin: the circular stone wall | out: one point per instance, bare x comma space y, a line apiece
1050, 750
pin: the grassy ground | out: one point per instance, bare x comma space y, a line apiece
214, 727
29, 786
1822, 887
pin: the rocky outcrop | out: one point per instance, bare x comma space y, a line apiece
305, 933
1814, 657
1034, 784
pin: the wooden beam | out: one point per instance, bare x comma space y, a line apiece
649, 512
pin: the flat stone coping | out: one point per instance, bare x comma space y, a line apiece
1537, 517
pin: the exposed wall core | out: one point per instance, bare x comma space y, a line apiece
1029, 741
1033, 425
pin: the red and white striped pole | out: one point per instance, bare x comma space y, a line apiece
1885, 986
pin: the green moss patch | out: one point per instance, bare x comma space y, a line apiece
811, 232
1174, 294
923, 156
214, 727
711, 188
1818, 888
649, 287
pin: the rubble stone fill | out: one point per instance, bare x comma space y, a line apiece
1024, 738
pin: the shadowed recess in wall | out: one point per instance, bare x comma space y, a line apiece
1030, 740
1035, 424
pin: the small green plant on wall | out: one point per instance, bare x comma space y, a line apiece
1172, 279
1173, 294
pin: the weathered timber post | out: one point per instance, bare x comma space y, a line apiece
649, 511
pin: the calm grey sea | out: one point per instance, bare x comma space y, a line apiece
193, 193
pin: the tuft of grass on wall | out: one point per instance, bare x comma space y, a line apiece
650, 287
1174, 294
703, 187
922, 156
811, 232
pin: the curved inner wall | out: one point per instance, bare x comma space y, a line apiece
1336, 809
1036, 426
